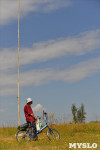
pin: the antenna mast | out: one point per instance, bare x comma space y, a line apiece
18, 65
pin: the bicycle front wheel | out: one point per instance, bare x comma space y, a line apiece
53, 134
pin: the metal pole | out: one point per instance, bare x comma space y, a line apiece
18, 65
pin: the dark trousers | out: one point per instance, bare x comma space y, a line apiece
33, 128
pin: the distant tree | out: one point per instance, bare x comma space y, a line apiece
74, 112
81, 114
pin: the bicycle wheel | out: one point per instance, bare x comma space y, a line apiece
27, 137
20, 136
53, 134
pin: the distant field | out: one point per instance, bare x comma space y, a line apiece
70, 133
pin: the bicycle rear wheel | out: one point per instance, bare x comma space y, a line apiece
20, 136
53, 134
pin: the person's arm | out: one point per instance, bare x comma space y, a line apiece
33, 116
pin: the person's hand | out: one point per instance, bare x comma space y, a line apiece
35, 118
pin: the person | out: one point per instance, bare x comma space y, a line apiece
30, 118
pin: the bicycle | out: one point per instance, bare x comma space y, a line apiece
24, 133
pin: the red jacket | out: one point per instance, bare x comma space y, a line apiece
27, 112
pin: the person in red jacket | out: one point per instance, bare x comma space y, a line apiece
30, 118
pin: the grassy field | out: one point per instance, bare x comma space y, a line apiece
69, 133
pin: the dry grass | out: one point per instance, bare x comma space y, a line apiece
78, 133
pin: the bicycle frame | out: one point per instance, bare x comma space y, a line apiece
45, 126
39, 131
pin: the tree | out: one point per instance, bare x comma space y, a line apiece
74, 112
81, 114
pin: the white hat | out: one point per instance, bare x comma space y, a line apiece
28, 100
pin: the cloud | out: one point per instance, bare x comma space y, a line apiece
38, 77
8, 59
81, 44
38, 108
81, 71
9, 8
78, 45
2, 110
9, 90
75, 73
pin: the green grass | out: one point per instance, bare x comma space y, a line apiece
69, 133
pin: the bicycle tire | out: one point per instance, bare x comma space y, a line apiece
20, 135
53, 134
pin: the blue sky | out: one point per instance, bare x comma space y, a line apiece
59, 57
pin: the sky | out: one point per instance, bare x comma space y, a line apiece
59, 44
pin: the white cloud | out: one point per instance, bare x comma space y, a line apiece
80, 71
9, 8
37, 77
8, 59
2, 110
9, 90
75, 73
79, 45
38, 108
85, 42
82, 44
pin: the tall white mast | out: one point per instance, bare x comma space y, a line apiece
18, 65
